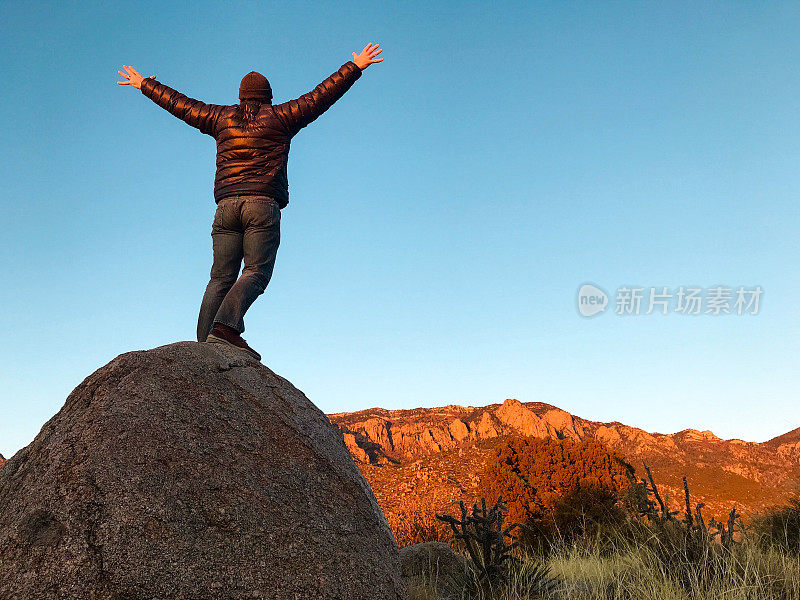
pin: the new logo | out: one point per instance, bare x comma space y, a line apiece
591, 300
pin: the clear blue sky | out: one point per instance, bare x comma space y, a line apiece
443, 214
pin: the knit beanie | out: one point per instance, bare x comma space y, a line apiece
256, 87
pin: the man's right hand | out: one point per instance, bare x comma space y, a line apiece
367, 56
133, 77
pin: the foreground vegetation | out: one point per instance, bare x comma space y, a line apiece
589, 529
588, 571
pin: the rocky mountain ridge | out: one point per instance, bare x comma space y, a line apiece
439, 453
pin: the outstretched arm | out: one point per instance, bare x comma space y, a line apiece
195, 113
299, 113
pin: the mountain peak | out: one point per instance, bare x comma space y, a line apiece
695, 435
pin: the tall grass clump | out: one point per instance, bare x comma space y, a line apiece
637, 571
779, 528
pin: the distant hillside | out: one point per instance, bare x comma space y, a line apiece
439, 453
792, 437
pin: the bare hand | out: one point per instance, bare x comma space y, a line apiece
133, 77
367, 56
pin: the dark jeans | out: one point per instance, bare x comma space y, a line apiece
246, 227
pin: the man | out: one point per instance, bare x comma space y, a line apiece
251, 186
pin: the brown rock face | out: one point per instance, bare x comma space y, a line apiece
191, 472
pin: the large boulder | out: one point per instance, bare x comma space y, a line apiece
434, 569
191, 471
428, 559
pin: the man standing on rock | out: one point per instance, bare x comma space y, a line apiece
251, 186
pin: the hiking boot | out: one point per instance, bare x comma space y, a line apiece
222, 334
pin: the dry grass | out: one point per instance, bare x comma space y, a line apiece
747, 573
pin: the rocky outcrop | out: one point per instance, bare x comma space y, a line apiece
693, 435
191, 471
2, 460
458, 430
488, 426
789, 451
515, 416
363, 449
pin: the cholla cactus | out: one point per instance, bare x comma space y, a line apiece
685, 545
658, 512
485, 538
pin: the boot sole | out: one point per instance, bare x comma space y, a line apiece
212, 339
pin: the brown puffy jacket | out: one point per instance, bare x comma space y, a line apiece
253, 138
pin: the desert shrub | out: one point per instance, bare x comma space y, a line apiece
586, 515
779, 528
559, 489
655, 553
587, 511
